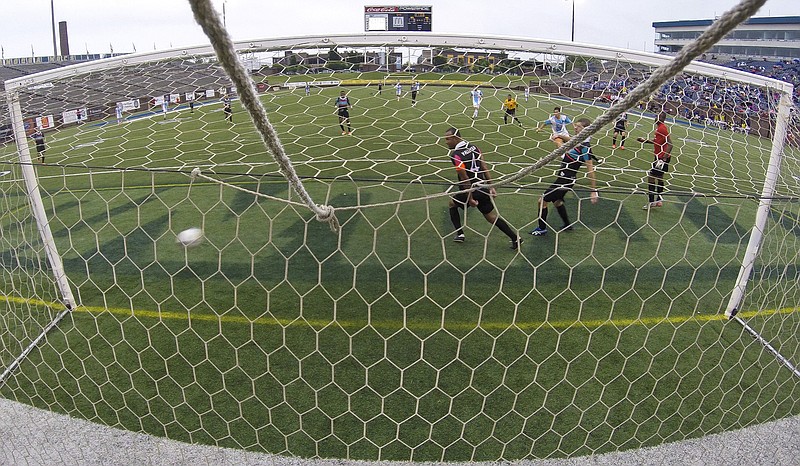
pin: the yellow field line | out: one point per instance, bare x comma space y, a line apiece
317, 323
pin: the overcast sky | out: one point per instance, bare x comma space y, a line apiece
97, 25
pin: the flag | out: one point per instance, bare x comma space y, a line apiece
111, 47
134, 46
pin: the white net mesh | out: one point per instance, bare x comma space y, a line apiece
386, 339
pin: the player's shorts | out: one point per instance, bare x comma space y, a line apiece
485, 204
511, 111
344, 113
40, 148
660, 167
476, 105
413, 95
558, 189
561, 134
619, 129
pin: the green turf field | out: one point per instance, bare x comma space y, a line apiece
387, 340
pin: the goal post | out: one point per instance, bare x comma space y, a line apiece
383, 338
773, 171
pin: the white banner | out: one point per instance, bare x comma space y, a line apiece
209, 93
45, 122
174, 98
128, 105
189, 96
158, 100
74, 116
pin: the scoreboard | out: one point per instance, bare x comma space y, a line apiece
398, 18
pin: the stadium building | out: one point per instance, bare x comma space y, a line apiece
769, 38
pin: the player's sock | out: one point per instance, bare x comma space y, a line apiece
475, 114
456, 219
342, 126
622, 142
543, 218
613, 141
651, 191
660, 189
562, 212
503, 226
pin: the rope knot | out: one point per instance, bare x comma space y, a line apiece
326, 213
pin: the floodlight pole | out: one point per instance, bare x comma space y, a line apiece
572, 36
53, 24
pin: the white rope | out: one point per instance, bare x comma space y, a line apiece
209, 20
197, 173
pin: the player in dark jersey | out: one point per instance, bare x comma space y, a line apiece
571, 162
343, 105
227, 110
414, 91
38, 139
621, 130
471, 169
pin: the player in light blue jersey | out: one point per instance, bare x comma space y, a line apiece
398, 90
558, 123
477, 98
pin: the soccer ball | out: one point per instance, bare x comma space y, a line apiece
190, 238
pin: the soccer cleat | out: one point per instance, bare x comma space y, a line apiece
613, 146
459, 238
515, 243
621, 147
349, 133
658, 204
539, 231
566, 228
344, 133
651, 205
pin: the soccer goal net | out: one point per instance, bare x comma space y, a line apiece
382, 337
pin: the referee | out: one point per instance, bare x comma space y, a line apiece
510, 107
